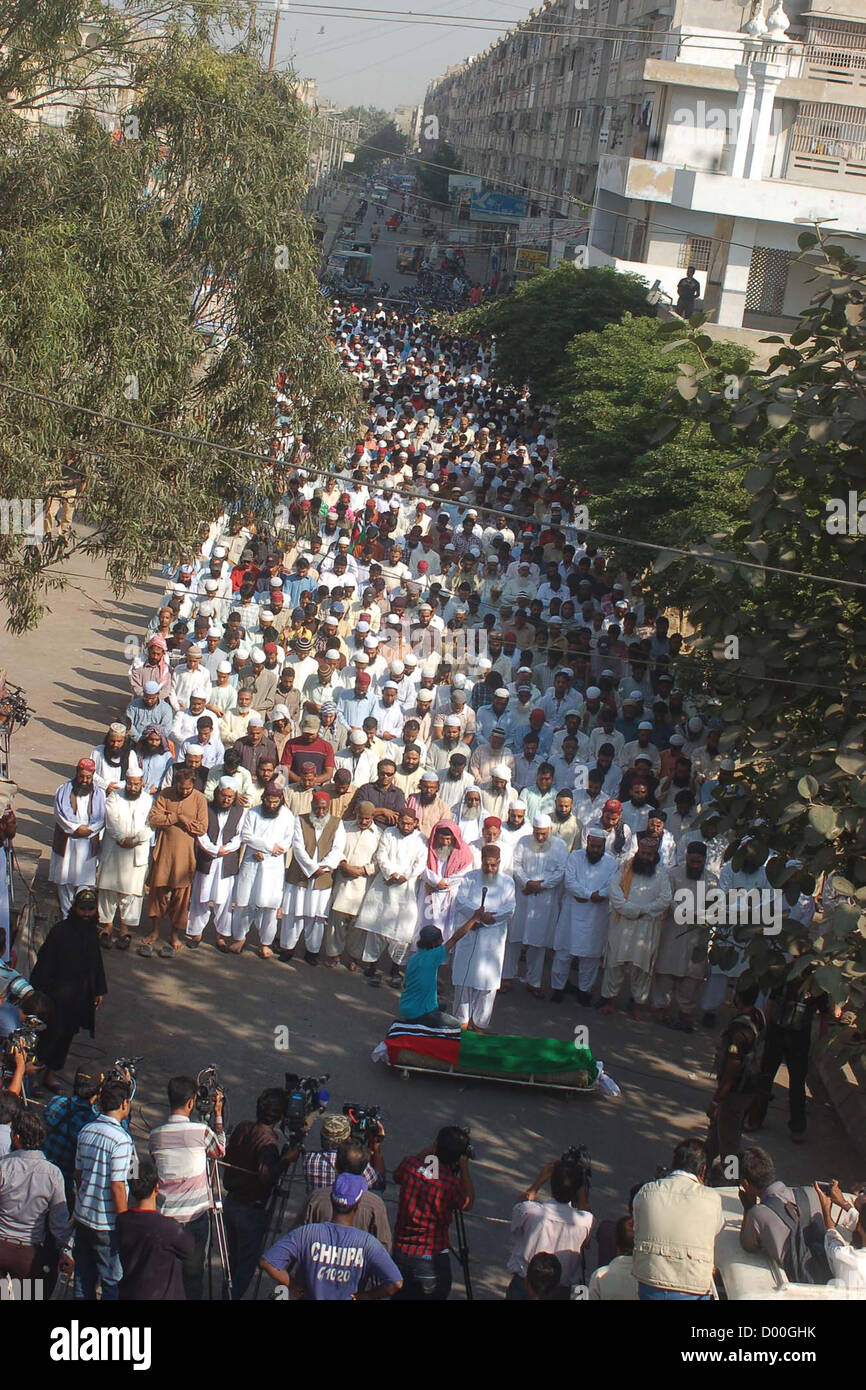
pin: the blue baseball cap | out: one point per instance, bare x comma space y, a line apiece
348, 1190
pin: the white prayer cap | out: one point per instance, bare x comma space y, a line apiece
196, 749
606, 672
527, 669
430, 776
331, 620
645, 724
193, 649
410, 660
116, 728
459, 681
230, 783
242, 651
596, 831
397, 668
211, 585
452, 722
676, 740
593, 693
179, 589
501, 693
358, 737
220, 552
205, 610
390, 685
501, 770
255, 720
636, 695
361, 659
518, 805
542, 821
133, 767
214, 632
363, 627
371, 642
695, 724
257, 655
267, 615
332, 654
276, 582
485, 664
224, 668
279, 712
424, 696
151, 687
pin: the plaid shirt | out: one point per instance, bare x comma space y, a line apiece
320, 1170
425, 1210
65, 1117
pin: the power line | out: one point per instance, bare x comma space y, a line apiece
234, 451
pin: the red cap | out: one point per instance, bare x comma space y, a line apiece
612, 804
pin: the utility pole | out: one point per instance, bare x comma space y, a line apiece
273, 53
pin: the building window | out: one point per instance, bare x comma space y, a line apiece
695, 251
768, 280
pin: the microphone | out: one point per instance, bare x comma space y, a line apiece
479, 923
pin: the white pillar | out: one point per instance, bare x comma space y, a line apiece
735, 278
767, 77
744, 116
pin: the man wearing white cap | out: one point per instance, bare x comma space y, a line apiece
389, 914
262, 682
640, 895
388, 714
642, 746
267, 835
146, 709
124, 857
318, 845
581, 929
217, 862
498, 794
538, 869
441, 749
110, 758
358, 758
496, 713
483, 909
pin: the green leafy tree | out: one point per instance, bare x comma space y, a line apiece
439, 159
115, 255
534, 325
784, 643
610, 405
387, 142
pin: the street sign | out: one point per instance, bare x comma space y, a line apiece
497, 207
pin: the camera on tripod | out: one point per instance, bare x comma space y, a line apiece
305, 1096
466, 1134
122, 1069
579, 1155
366, 1122
207, 1088
24, 1038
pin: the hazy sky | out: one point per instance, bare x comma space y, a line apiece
388, 62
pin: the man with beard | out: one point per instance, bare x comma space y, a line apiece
110, 758
79, 815
565, 824
679, 975
409, 774
640, 894
679, 781
354, 872
581, 930
484, 907
148, 708
180, 816
217, 862
538, 868
512, 832
318, 845
498, 794
387, 799
389, 914
749, 877
636, 810
70, 970
124, 859
267, 838
256, 743
427, 804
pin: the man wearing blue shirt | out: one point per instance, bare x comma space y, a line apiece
332, 1259
419, 1002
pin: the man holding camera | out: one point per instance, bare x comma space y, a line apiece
370, 1214
434, 1184
253, 1167
181, 1149
320, 1169
32, 1201
560, 1227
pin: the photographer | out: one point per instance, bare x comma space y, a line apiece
180, 1149
676, 1221
327, 1271
252, 1168
65, 1117
320, 1169
32, 1201
560, 1227
29, 1011
370, 1213
433, 1185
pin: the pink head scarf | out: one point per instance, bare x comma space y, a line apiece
460, 856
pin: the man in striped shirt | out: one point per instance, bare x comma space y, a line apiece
103, 1157
181, 1149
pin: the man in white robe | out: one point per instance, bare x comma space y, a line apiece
514, 829
640, 895
124, 857
538, 869
217, 857
581, 930
484, 907
750, 877
266, 838
79, 816
351, 879
678, 975
318, 845
389, 914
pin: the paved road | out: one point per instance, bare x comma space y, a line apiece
184, 1014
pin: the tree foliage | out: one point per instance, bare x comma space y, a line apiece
534, 324
610, 399
111, 255
794, 699
386, 142
439, 159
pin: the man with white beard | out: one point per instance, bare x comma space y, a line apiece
217, 863
389, 914
124, 859
514, 829
581, 930
79, 815
538, 869
484, 906
354, 872
640, 895
266, 838
678, 976
318, 845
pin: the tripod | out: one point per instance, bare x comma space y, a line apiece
279, 1200
462, 1252
218, 1232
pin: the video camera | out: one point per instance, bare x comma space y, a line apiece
579, 1154
25, 1038
119, 1069
207, 1088
366, 1122
466, 1133
305, 1096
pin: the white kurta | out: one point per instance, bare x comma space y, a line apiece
677, 941
260, 883
582, 926
534, 920
76, 866
360, 853
391, 910
477, 958
305, 899
212, 888
436, 906
635, 921
124, 870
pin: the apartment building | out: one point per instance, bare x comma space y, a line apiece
662, 135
